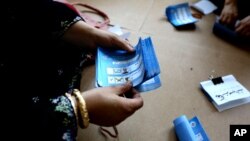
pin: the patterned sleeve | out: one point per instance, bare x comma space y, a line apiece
54, 118
49, 114
61, 16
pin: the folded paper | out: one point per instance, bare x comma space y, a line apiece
189, 130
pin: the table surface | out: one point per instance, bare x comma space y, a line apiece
186, 58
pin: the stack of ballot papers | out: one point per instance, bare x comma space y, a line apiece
225, 92
141, 67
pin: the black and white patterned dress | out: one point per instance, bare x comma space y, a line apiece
37, 68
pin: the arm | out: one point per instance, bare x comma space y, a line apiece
63, 20
106, 106
229, 13
84, 35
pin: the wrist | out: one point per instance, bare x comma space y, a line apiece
80, 108
74, 104
83, 116
230, 2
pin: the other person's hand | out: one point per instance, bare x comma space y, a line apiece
243, 27
229, 14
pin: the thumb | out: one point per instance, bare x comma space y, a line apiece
121, 90
127, 46
123, 44
133, 104
135, 101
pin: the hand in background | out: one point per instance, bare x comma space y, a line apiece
243, 28
229, 14
107, 107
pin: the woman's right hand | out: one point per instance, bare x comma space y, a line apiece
107, 107
229, 13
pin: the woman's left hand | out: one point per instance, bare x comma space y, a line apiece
243, 28
88, 37
110, 40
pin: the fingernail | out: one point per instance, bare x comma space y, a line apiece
237, 23
131, 47
129, 83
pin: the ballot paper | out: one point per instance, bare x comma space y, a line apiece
141, 67
204, 6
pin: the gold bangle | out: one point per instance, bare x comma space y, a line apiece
84, 116
74, 105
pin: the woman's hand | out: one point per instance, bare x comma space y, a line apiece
110, 40
84, 35
243, 28
108, 107
229, 13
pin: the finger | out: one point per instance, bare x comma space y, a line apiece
227, 20
123, 44
135, 100
133, 104
239, 28
230, 20
133, 93
121, 90
222, 19
237, 24
128, 44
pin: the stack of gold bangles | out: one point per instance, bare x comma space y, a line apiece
83, 117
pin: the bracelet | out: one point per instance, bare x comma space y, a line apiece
74, 104
83, 116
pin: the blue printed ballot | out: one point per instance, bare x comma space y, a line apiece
180, 15
141, 67
189, 130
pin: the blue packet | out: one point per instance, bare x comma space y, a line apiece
189, 130
180, 15
228, 33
